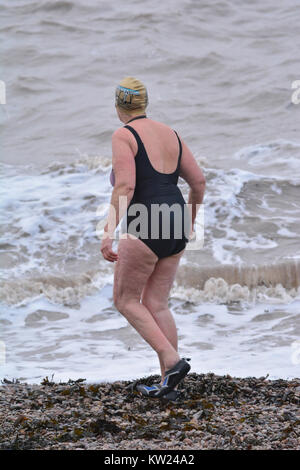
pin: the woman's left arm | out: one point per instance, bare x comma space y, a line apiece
123, 162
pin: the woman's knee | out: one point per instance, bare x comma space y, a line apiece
154, 304
119, 301
124, 303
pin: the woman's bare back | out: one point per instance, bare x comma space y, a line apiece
160, 142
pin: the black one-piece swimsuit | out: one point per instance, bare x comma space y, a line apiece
163, 219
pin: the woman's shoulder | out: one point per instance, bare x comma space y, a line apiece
162, 127
121, 132
123, 135
143, 127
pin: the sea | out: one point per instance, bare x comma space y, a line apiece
225, 75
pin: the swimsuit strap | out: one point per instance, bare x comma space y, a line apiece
137, 117
141, 152
144, 155
136, 135
180, 151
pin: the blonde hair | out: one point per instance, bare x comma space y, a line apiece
131, 95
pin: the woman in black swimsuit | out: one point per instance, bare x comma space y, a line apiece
148, 158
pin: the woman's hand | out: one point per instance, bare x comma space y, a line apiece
107, 251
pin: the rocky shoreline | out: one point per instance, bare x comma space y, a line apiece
212, 412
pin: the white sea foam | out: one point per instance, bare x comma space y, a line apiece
95, 342
279, 158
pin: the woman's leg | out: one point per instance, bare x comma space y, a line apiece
155, 297
135, 264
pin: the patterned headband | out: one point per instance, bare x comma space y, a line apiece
126, 92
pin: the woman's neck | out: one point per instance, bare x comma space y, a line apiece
140, 116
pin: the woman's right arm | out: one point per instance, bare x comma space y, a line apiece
193, 175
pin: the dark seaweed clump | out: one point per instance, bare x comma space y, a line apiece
212, 412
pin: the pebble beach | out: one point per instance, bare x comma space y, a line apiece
211, 412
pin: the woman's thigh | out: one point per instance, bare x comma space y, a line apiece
156, 292
135, 264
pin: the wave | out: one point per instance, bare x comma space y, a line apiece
221, 284
278, 282
99, 163
62, 5
59, 289
51, 219
279, 158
